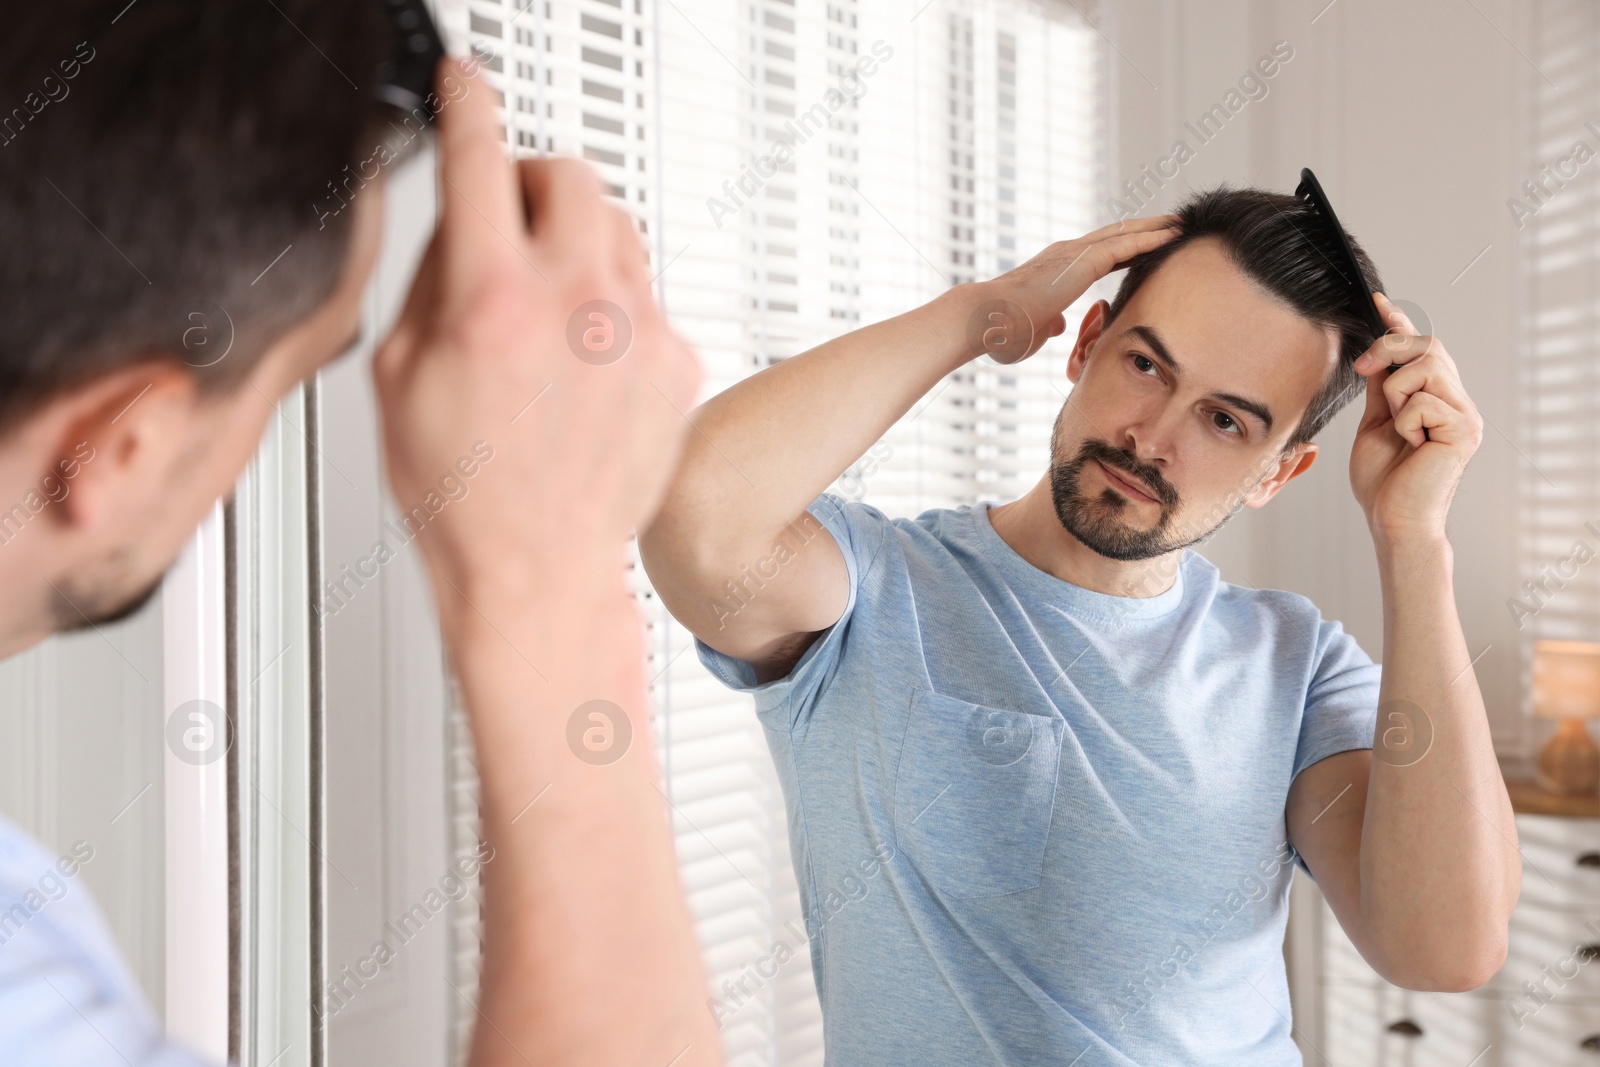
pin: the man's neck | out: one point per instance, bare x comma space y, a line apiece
1031, 527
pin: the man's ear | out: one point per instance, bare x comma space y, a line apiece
1089, 330
119, 436
1290, 467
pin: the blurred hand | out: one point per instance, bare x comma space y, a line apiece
487, 349
1021, 309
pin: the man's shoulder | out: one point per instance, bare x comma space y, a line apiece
831, 504
869, 527
42, 898
1239, 604
66, 996
1243, 594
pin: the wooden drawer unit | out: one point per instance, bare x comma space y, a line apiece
1559, 1035
1560, 862
1553, 953
1380, 1024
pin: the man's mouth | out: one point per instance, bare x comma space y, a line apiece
1129, 486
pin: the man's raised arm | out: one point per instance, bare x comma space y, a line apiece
589, 954
764, 449
1418, 858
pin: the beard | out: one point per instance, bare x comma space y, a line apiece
87, 604
1105, 522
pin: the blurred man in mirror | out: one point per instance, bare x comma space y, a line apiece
161, 153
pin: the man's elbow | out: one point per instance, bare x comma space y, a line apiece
1464, 964
1458, 953
676, 545
695, 530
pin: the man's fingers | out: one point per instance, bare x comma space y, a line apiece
1377, 407
419, 310
1397, 351
568, 216
1392, 316
1424, 369
1152, 222
477, 187
632, 260
1116, 252
1401, 328
1426, 417
1094, 259
1391, 352
1426, 376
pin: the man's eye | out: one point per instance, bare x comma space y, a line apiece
1140, 360
1231, 422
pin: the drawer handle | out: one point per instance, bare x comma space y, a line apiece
1590, 1043
1407, 1028
1589, 859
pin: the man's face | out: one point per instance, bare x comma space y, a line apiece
1174, 396
111, 569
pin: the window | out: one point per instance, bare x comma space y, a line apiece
880, 197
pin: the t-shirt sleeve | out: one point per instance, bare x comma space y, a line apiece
66, 997
859, 530
1341, 709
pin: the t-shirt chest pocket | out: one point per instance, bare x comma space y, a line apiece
974, 795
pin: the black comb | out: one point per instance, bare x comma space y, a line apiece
1330, 240
405, 80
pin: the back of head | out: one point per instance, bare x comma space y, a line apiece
155, 159
1265, 235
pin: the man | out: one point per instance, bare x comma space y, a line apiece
1090, 762
173, 151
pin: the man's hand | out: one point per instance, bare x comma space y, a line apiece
1404, 477
484, 351
1023, 307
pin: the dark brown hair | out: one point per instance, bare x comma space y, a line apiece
155, 159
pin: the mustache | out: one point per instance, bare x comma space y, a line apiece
1125, 462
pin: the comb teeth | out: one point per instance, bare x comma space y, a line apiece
1328, 238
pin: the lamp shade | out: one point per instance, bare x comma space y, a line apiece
1566, 679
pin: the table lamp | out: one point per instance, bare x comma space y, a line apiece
1566, 687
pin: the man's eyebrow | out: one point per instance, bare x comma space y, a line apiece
1148, 335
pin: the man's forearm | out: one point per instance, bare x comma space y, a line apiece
1439, 863
589, 954
767, 446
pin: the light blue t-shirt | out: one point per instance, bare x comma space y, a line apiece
66, 998
1036, 824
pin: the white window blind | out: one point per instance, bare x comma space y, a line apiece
973, 144
1559, 210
